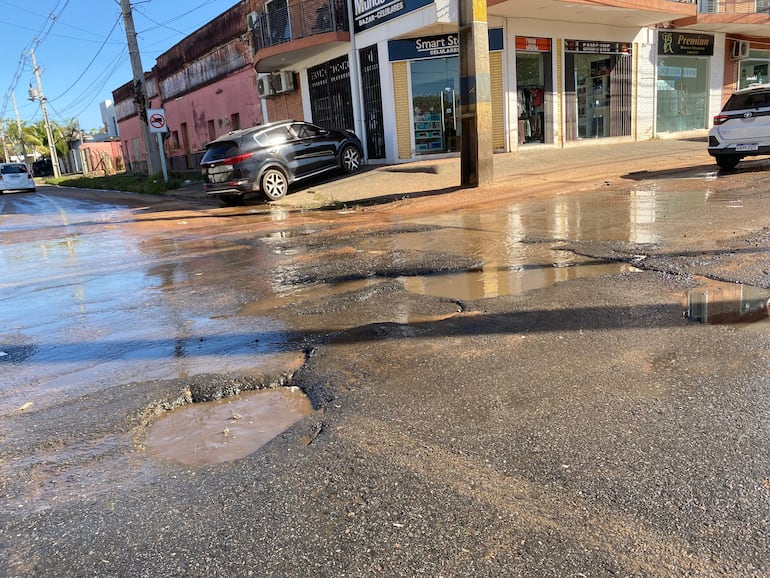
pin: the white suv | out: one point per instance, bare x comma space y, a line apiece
742, 129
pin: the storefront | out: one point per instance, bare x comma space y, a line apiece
434, 80
754, 69
534, 89
682, 86
598, 89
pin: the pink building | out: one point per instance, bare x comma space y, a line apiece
207, 86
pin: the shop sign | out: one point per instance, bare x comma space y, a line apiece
597, 47
685, 44
369, 13
533, 44
445, 45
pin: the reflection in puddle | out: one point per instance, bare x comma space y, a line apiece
228, 429
726, 303
499, 282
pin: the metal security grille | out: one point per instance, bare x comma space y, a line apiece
331, 103
620, 103
370, 74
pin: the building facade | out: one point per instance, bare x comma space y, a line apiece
563, 72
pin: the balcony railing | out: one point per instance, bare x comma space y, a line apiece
734, 6
280, 23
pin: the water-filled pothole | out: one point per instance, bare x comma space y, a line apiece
226, 429
719, 303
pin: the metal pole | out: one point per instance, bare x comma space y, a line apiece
140, 90
18, 127
41, 97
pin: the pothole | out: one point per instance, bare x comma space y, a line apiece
227, 429
720, 303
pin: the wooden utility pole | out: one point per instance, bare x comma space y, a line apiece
140, 90
476, 168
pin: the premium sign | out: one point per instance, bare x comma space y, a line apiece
680, 43
370, 13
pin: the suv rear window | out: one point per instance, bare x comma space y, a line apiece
748, 100
13, 169
220, 150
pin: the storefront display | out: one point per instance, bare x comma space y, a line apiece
682, 81
753, 70
533, 78
598, 95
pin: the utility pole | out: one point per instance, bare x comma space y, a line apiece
476, 168
140, 90
18, 127
38, 95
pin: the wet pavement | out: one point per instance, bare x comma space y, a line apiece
556, 385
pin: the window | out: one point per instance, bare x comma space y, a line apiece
174, 139
212, 130
235, 121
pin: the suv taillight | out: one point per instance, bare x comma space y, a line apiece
235, 160
720, 119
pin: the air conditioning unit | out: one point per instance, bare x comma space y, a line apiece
252, 21
283, 81
265, 85
740, 49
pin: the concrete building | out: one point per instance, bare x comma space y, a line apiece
563, 72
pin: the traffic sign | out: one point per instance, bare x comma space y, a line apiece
156, 120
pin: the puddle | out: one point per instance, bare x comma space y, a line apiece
727, 303
509, 281
227, 429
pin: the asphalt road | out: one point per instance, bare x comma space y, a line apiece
585, 427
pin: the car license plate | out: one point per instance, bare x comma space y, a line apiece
743, 148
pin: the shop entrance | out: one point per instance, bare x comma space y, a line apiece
436, 105
534, 86
598, 75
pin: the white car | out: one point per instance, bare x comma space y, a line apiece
16, 177
742, 128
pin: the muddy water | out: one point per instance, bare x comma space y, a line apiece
97, 294
228, 429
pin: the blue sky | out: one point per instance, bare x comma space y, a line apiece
80, 47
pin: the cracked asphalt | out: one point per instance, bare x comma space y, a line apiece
583, 428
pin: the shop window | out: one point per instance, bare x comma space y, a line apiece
682, 93
435, 102
599, 104
533, 83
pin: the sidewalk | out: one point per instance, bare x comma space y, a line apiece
528, 169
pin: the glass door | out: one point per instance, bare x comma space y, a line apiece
436, 104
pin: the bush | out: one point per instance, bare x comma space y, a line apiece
125, 182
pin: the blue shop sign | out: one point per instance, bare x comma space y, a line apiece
369, 13
444, 45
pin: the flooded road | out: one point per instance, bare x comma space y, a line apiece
97, 293
571, 384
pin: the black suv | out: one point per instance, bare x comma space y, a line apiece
269, 157
742, 128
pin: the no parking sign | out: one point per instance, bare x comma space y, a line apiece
156, 120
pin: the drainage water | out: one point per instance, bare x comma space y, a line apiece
227, 429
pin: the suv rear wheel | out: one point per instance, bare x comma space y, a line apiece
727, 162
273, 184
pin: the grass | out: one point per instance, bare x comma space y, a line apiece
126, 182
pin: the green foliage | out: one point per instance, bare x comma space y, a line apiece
124, 182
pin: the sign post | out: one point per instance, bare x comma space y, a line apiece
156, 122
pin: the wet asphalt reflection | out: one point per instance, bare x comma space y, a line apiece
95, 294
